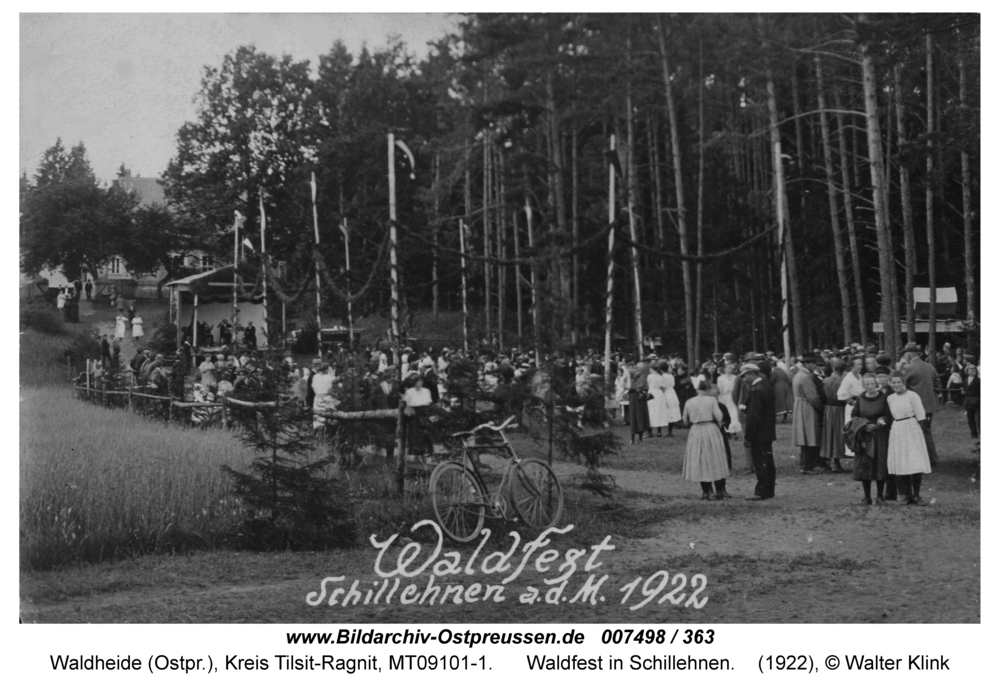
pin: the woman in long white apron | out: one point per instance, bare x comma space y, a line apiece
657, 404
908, 459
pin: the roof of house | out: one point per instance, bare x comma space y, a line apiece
149, 190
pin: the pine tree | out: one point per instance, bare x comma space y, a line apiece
290, 501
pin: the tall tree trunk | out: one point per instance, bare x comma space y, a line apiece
852, 235
906, 200
800, 157
701, 199
887, 187
435, 229
781, 206
466, 242
831, 192
679, 185
887, 270
487, 266
559, 194
535, 301
970, 265
633, 184
931, 248
501, 229
575, 201
661, 230
518, 288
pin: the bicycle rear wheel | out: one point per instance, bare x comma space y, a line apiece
458, 500
536, 494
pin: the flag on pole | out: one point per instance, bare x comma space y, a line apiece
312, 185
409, 154
343, 229
248, 244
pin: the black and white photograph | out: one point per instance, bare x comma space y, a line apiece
496, 318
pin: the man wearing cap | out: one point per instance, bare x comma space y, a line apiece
920, 376
806, 415
759, 430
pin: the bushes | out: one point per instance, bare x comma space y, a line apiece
42, 318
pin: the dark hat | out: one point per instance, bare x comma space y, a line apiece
882, 370
911, 346
807, 358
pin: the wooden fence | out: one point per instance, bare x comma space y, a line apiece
173, 409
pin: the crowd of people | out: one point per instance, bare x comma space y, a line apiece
852, 403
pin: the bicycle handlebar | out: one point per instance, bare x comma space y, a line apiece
486, 426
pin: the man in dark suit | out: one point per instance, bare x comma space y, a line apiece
385, 393
920, 376
759, 432
105, 352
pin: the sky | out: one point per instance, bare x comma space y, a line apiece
125, 83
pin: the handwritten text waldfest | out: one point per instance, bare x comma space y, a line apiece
409, 564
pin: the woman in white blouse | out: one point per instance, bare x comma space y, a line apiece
908, 459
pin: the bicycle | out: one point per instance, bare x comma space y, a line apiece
460, 496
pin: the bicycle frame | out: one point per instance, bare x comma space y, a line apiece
470, 459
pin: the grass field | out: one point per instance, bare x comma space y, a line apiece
97, 483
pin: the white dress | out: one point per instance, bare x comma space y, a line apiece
907, 447
137, 327
658, 415
673, 403
727, 383
120, 322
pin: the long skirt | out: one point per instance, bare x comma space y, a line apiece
831, 443
705, 454
874, 467
907, 448
416, 436
639, 411
657, 408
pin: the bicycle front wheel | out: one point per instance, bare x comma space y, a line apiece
536, 494
458, 500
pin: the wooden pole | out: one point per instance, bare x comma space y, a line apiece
518, 287
236, 263
264, 264
400, 456
465, 288
347, 264
610, 291
194, 328
534, 286
319, 297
